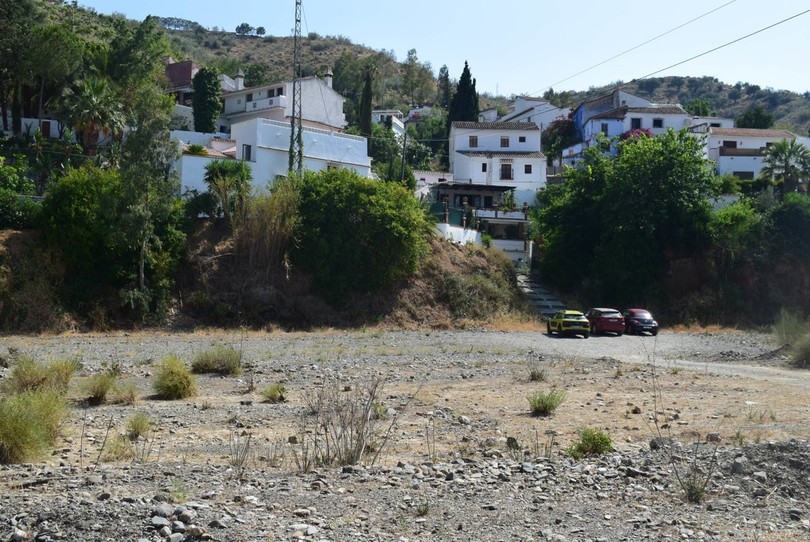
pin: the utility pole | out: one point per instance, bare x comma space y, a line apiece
296, 137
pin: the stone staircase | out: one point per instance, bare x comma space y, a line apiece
544, 302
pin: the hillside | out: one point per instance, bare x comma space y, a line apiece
266, 59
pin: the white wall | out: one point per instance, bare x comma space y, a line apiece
457, 234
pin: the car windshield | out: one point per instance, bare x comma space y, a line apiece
611, 314
575, 316
642, 315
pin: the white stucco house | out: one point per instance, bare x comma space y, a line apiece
617, 113
394, 116
536, 110
497, 168
740, 151
321, 106
265, 144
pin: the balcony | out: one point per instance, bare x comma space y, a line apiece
265, 104
728, 151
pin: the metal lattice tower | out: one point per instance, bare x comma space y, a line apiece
296, 138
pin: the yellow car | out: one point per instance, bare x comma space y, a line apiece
569, 323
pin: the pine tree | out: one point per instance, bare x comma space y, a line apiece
443, 87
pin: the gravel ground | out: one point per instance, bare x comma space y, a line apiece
464, 460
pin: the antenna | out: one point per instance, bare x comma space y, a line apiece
296, 138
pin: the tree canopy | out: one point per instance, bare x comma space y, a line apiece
205, 102
609, 228
754, 117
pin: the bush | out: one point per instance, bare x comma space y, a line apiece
98, 386
274, 393
224, 360
138, 425
545, 403
801, 352
173, 380
788, 328
592, 442
29, 424
357, 233
18, 212
28, 375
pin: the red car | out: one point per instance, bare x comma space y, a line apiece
605, 320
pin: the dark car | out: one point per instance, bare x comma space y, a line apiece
638, 321
604, 320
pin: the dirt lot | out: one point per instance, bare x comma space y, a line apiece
449, 398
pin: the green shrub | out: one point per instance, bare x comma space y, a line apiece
357, 233
537, 373
592, 442
545, 403
224, 360
274, 393
173, 380
126, 394
99, 386
119, 448
29, 424
138, 425
801, 352
18, 212
788, 328
29, 375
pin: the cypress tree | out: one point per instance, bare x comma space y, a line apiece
365, 105
205, 102
463, 105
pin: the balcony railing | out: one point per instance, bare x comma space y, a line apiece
728, 151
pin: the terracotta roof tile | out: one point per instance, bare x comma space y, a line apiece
752, 132
529, 126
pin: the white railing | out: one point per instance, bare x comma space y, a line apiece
507, 215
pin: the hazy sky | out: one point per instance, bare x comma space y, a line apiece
524, 47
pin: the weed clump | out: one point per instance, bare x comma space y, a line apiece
29, 424
545, 403
801, 352
223, 360
789, 328
138, 425
29, 375
274, 393
99, 386
173, 380
591, 443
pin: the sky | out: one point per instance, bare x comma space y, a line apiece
523, 47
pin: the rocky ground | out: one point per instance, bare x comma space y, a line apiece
456, 454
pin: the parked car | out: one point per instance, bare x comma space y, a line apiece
604, 320
639, 321
567, 322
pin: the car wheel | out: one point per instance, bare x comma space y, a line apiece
654, 333
618, 333
586, 335
548, 328
560, 330
593, 329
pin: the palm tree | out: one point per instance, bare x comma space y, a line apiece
229, 182
93, 109
787, 162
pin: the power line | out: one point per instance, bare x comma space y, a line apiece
726, 44
635, 47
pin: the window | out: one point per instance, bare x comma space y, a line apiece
522, 139
504, 142
484, 167
249, 97
744, 175
715, 125
729, 144
658, 123
506, 172
635, 123
604, 128
527, 169
246, 152
473, 141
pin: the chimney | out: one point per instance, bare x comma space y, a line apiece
327, 78
240, 80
